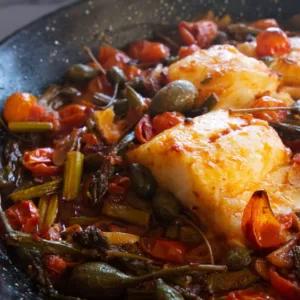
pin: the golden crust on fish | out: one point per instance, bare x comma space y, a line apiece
223, 70
214, 164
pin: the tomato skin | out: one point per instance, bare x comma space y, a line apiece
148, 52
73, 115
164, 249
166, 121
100, 85
201, 33
55, 264
36, 113
270, 116
248, 295
39, 162
144, 130
185, 51
23, 216
17, 107
272, 42
265, 24
284, 287
90, 139
259, 224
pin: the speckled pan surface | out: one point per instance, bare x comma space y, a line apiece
38, 55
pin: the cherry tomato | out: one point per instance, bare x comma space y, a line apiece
164, 249
201, 33
166, 120
132, 71
259, 224
110, 57
265, 23
17, 107
49, 233
36, 113
100, 85
23, 216
284, 287
73, 115
148, 52
270, 116
90, 139
272, 42
188, 50
55, 264
119, 185
144, 130
248, 295
39, 162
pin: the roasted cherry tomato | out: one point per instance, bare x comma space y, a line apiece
260, 226
144, 130
90, 139
270, 116
272, 42
288, 289
187, 50
164, 249
39, 162
166, 120
110, 57
148, 52
265, 24
55, 264
23, 216
100, 85
36, 113
18, 106
201, 33
248, 295
73, 115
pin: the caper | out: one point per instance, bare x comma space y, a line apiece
134, 98
179, 95
101, 99
115, 76
238, 258
81, 73
142, 180
166, 206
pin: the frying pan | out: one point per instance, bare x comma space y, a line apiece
38, 55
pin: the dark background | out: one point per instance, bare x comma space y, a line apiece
14, 14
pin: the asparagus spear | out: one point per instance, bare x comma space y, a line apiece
72, 175
30, 126
37, 191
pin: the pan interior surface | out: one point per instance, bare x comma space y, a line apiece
38, 55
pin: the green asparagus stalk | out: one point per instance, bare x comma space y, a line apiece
72, 175
37, 191
52, 210
127, 214
30, 126
43, 205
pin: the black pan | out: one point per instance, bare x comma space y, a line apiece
37, 55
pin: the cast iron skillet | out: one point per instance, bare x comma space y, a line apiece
38, 55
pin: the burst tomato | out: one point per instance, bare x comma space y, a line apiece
187, 50
23, 216
265, 23
272, 42
201, 33
166, 120
148, 52
276, 116
144, 130
259, 225
39, 162
73, 115
248, 295
164, 249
